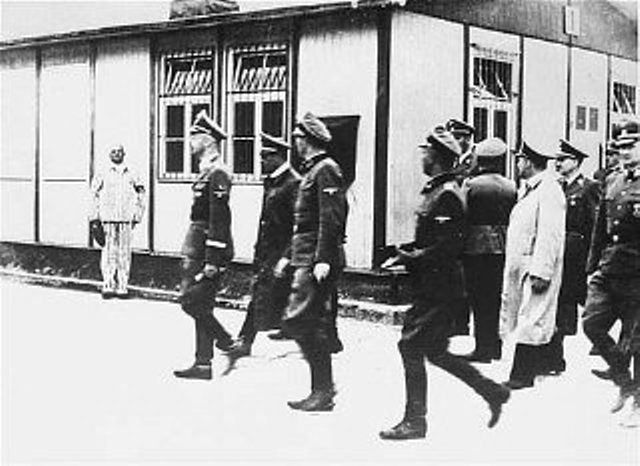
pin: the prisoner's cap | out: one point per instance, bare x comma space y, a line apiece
273, 145
569, 150
490, 148
203, 124
528, 153
459, 127
311, 126
442, 140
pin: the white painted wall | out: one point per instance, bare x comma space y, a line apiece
64, 139
337, 76
426, 89
17, 145
544, 94
588, 88
122, 110
172, 208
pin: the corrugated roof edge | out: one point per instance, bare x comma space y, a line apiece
196, 22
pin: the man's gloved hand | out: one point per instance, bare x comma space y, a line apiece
321, 271
539, 285
281, 267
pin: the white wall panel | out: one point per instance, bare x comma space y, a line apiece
426, 89
64, 145
588, 89
122, 110
246, 202
63, 213
172, 208
544, 97
337, 76
17, 144
17, 210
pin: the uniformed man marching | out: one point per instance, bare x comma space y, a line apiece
207, 247
489, 198
272, 280
465, 167
614, 268
317, 258
582, 196
435, 268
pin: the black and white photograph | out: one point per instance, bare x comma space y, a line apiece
323, 232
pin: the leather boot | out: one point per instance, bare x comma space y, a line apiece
318, 400
499, 396
624, 393
408, 428
197, 371
480, 356
602, 374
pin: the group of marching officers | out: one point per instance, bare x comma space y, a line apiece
517, 257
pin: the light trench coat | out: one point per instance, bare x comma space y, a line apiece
535, 247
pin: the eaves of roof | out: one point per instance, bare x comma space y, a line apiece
199, 22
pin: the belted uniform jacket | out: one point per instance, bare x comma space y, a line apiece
535, 247
436, 272
582, 196
211, 213
276, 219
320, 215
615, 245
489, 199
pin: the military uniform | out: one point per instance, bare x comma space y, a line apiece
207, 246
270, 294
317, 259
208, 241
489, 199
436, 276
319, 231
583, 197
614, 260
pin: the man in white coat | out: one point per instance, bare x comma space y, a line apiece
533, 265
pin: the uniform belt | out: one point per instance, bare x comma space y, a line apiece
618, 239
301, 229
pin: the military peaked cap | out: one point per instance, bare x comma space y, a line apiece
569, 150
203, 124
528, 153
310, 125
442, 139
491, 148
628, 134
459, 127
273, 145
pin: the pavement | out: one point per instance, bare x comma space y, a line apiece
88, 381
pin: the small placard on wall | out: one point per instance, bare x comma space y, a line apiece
593, 119
581, 117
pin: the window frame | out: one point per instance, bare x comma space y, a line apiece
493, 103
188, 100
259, 97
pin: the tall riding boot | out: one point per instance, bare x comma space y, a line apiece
322, 389
413, 424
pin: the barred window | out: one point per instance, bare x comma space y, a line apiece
185, 89
624, 98
257, 95
492, 96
